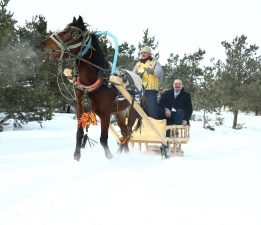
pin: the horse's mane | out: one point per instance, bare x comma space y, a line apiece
98, 57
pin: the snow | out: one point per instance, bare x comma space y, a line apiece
216, 182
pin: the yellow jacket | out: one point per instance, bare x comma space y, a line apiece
149, 80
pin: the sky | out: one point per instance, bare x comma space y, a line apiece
216, 182
180, 26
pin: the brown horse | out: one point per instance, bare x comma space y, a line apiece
94, 71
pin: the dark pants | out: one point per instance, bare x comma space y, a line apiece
176, 117
150, 104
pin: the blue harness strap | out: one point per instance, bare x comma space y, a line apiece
116, 49
87, 45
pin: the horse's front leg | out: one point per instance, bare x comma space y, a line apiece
79, 137
104, 136
80, 133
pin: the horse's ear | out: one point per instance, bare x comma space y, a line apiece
80, 19
74, 19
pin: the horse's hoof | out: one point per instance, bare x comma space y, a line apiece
126, 149
77, 157
108, 155
119, 150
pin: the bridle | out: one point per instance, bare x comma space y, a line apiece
66, 47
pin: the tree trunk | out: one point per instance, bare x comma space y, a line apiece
256, 111
235, 112
204, 119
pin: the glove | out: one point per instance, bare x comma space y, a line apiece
149, 70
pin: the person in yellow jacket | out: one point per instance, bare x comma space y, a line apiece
150, 71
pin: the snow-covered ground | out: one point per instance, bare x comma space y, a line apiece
217, 182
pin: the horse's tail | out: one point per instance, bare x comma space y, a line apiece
138, 124
142, 104
139, 118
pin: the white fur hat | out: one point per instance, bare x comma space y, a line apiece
146, 49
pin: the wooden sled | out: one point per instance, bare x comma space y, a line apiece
176, 135
153, 133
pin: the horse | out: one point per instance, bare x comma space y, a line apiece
92, 78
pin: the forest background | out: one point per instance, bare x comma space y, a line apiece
28, 80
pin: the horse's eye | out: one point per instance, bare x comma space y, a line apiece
74, 34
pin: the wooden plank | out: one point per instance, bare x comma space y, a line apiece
118, 83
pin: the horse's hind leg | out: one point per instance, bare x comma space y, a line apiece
79, 137
125, 132
132, 116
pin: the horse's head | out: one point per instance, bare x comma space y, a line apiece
67, 42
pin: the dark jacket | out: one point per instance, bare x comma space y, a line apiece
182, 101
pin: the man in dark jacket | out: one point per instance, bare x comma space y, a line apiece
175, 105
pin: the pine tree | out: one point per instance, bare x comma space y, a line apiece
126, 56
7, 33
7, 23
41, 74
26, 93
187, 69
107, 47
149, 41
236, 74
206, 97
251, 101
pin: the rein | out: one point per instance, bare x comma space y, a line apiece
86, 61
60, 74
